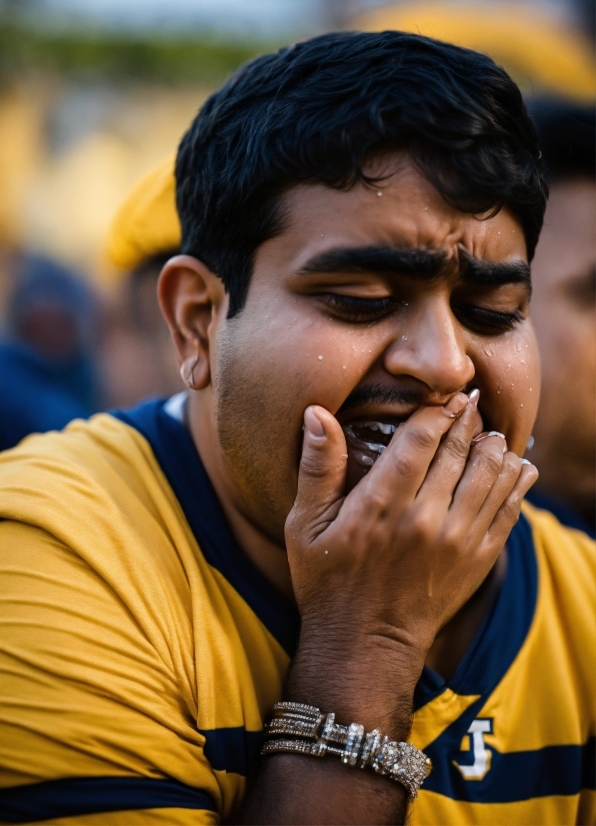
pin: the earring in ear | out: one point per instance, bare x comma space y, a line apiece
186, 372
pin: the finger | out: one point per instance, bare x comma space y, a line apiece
450, 460
501, 489
321, 475
399, 472
508, 513
482, 470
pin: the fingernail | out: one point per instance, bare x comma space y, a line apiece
482, 436
455, 405
496, 433
313, 424
525, 462
474, 396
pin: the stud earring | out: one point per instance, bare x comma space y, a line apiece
187, 370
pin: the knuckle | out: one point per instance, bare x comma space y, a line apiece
458, 446
422, 526
405, 465
312, 464
452, 539
511, 509
492, 460
512, 465
422, 437
374, 504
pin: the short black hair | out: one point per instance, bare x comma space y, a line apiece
567, 135
319, 110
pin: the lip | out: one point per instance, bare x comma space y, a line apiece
373, 434
385, 415
366, 444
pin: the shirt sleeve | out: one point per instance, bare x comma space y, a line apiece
93, 722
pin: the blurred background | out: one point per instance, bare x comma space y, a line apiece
95, 93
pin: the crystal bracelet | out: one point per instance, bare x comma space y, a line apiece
316, 734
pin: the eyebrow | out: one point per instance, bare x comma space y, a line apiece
419, 263
479, 271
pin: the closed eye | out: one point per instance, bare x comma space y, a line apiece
351, 308
485, 321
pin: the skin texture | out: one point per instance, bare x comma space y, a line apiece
391, 564
563, 312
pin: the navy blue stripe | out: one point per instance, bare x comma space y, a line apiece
515, 776
589, 765
178, 458
233, 749
91, 795
504, 630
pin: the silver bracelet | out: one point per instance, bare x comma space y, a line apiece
317, 734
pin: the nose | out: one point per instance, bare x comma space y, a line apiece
431, 346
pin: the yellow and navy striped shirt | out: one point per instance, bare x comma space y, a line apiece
140, 650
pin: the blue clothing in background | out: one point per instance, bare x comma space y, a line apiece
37, 395
563, 512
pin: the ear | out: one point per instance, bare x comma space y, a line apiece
191, 297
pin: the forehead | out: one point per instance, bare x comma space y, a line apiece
404, 209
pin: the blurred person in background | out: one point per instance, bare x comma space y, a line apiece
48, 374
138, 359
563, 310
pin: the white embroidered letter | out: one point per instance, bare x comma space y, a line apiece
482, 756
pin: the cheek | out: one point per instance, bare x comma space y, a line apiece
267, 371
508, 374
311, 360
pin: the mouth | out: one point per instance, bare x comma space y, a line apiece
367, 437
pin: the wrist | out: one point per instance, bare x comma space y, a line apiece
370, 681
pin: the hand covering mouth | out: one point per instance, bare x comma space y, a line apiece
368, 437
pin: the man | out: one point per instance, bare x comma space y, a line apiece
337, 493
563, 312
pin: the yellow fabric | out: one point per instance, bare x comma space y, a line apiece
541, 53
120, 644
434, 809
562, 632
118, 640
147, 223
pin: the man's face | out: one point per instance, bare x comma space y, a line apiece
370, 303
563, 310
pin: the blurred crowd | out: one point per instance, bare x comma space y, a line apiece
70, 346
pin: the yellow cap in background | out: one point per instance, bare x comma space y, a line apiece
540, 52
147, 223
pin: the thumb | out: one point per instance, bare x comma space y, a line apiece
322, 473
